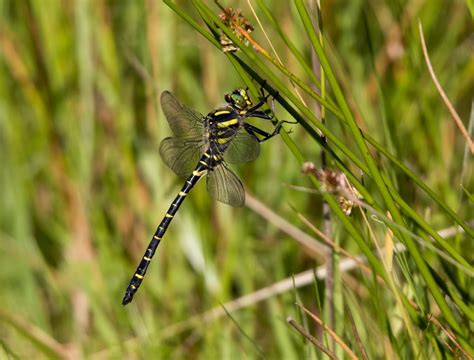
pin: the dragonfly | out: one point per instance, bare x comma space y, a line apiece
206, 145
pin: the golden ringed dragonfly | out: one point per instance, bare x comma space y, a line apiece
206, 145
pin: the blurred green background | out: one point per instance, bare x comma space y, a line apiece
83, 187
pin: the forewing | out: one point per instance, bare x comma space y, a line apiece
184, 122
224, 186
181, 155
243, 148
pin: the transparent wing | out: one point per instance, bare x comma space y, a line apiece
243, 148
184, 122
224, 186
181, 155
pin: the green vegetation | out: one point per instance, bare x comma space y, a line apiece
83, 187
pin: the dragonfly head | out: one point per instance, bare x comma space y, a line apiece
239, 99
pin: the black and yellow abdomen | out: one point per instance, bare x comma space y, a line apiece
140, 272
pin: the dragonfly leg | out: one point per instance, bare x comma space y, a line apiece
260, 114
265, 114
261, 102
257, 106
253, 130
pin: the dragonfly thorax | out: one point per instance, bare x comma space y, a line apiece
223, 125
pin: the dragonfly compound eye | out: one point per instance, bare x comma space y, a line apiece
239, 99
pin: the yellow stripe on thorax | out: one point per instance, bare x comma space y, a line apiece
221, 112
227, 123
223, 140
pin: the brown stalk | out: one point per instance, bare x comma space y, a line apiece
310, 337
331, 333
452, 111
